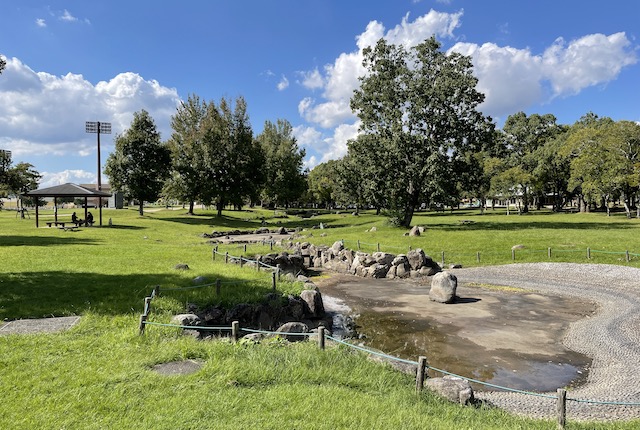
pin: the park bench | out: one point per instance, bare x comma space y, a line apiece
466, 221
56, 223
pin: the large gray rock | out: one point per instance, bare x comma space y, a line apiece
293, 327
415, 231
452, 388
383, 258
417, 258
186, 319
443, 287
337, 247
313, 299
377, 271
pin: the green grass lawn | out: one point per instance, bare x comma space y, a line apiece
98, 374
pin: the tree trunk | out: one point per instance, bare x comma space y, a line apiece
191, 205
219, 207
141, 208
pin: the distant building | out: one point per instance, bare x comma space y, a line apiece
116, 201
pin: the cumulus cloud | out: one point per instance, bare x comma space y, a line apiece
311, 79
40, 22
327, 147
340, 79
43, 114
50, 179
513, 79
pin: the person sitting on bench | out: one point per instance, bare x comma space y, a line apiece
74, 218
89, 218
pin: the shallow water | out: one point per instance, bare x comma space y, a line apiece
502, 338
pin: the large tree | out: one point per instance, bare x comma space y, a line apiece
285, 179
419, 106
140, 163
186, 144
231, 159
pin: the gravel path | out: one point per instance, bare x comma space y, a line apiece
611, 337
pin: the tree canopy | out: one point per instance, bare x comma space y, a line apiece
140, 163
418, 107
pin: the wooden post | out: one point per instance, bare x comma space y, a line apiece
143, 319
561, 408
147, 305
241, 261
549, 253
226, 257
271, 245
235, 330
442, 258
273, 281
257, 265
513, 254
321, 337
213, 254
358, 244
589, 253
627, 256
218, 287
245, 248
378, 246
420, 373
478, 256
156, 291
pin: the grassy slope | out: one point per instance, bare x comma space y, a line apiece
98, 374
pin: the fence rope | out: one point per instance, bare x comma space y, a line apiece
401, 360
241, 258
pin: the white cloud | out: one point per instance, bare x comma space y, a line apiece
45, 114
321, 148
283, 84
66, 16
40, 22
341, 78
312, 79
67, 176
513, 79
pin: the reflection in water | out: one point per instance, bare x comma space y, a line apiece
405, 337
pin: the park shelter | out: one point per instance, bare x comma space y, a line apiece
67, 190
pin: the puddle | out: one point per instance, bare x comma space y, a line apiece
512, 339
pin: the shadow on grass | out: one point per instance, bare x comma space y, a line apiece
55, 293
124, 227
71, 239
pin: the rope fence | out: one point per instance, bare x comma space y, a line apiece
421, 365
514, 253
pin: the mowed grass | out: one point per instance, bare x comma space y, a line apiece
99, 374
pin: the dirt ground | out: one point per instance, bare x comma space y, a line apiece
499, 335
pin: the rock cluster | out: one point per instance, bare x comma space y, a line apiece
415, 263
287, 314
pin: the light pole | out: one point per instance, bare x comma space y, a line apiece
98, 128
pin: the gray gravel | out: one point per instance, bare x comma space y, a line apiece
611, 337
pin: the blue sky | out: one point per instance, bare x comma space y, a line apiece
76, 61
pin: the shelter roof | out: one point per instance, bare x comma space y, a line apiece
67, 190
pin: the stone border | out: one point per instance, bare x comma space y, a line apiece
39, 325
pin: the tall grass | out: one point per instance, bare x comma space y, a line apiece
99, 374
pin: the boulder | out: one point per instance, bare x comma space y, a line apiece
391, 274
417, 258
452, 388
378, 271
186, 319
337, 247
403, 271
293, 327
400, 260
262, 230
181, 266
296, 307
415, 231
383, 258
281, 230
200, 280
313, 299
443, 287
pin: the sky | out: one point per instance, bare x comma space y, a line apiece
69, 62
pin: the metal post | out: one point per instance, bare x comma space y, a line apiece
513, 254
589, 253
478, 256
143, 319
147, 305
226, 257
273, 281
549, 253
378, 245
627, 256
442, 258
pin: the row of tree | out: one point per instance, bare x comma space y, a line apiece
211, 157
16, 179
423, 142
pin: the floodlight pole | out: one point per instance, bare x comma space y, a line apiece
98, 127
